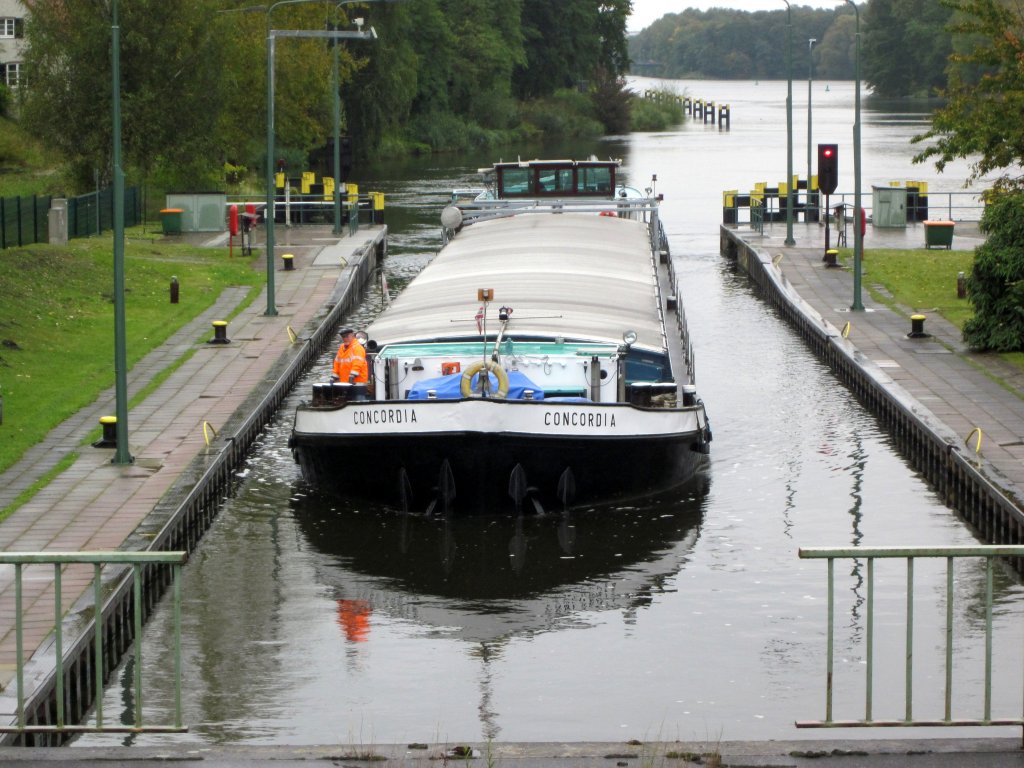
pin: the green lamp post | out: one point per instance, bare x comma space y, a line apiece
858, 237
789, 124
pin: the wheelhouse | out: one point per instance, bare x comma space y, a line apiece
553, 178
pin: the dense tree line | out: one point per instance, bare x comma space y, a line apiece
724, 43
904, 45
441, 74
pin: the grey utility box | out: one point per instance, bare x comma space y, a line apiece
201, 211
889, 207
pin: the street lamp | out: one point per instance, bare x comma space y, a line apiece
858, 236
810, 79
336, 87
789, 125
271, 190
122, 455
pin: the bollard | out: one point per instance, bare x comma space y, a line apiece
174, 290
220, 331
289, 262
831, 258
961, 285
917, 327
109, 439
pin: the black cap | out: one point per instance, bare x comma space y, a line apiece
346, 331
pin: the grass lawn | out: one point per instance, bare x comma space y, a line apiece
57, 320
921, 280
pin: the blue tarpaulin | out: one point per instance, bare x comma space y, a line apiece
450, 387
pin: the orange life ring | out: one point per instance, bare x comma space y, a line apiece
613, 214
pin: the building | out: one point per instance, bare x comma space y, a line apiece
12, 41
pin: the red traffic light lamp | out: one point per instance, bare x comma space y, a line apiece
828, 168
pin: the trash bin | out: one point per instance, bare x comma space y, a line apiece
171, 220
938, 234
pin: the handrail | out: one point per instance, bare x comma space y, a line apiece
137, 560
951, 206
989, 553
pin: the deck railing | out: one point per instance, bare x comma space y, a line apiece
101, 668
911, 554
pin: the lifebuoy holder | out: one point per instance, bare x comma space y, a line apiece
466, 385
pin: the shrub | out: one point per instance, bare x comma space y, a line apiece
996, 284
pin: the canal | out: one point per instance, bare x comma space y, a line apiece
310, 619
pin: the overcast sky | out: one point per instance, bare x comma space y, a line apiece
647, 11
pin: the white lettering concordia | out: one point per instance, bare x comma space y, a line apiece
384, 416
578, 419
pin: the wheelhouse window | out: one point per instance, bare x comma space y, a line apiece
554, 181
515, 181
594, 180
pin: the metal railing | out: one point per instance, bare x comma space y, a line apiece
910, 554
137, 561
950, 206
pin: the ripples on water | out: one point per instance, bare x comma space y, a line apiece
318, 620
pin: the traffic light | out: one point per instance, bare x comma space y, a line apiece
828, 168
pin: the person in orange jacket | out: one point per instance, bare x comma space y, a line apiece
350, 362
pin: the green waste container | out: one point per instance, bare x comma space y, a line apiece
938, 234
171, 220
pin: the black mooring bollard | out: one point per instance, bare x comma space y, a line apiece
174, 290
961, 285
831, 258
220, 333
289, 262
109, 439
917, 327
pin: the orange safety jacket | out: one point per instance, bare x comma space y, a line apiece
351, 359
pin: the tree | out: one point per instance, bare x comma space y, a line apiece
905, 47
170, 61
996, 284
985, 98
732, 44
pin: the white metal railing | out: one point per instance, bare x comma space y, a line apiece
911, 554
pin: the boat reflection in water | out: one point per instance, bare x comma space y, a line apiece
485, 578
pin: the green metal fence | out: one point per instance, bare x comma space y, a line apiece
910, 554
138, 562
24, 220
93, 213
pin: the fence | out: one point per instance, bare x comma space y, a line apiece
910, 554
25, 220
92, 213
768, 204
114, 625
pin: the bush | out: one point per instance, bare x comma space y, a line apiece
656, 114
5, 100
611, 99
567, 113
996, 284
